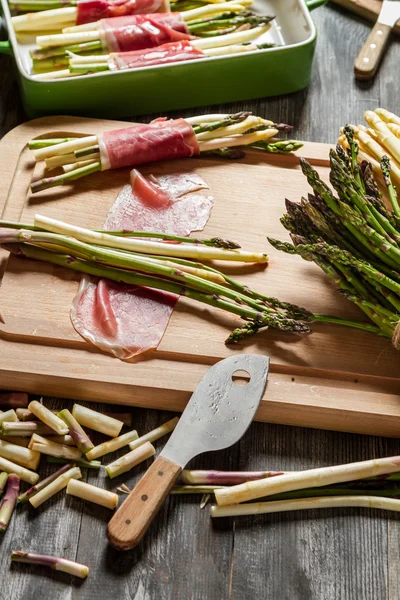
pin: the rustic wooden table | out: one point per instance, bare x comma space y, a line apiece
326, 555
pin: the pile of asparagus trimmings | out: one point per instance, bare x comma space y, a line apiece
222, 135
370, 483
354, 237
29, 433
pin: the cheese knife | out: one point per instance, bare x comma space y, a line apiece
367, 61
217, 415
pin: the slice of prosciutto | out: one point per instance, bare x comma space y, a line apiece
162, 55
140, 144
138, 32
89, 11
128, 320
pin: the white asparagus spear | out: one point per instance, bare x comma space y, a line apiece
66, 159
49, 418
51, 75
22, 456
23, 474
97, 421
260, 508
136, 245
130, 460
112, 445
155, 434
307, 479
65, 147
387, 116
243, 140
56, 17
55, 486
386, 137
92, 493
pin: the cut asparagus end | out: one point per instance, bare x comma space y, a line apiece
155, 434
80, 436
49, 418
97, 421
9, 501
23, 474
53, 562
55, 486
23, 498
9, 416
130, 460
22, 456
92, 493
112, 445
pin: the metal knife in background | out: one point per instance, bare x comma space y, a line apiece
367, 61
217, 415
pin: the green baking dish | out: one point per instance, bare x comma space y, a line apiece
269, 72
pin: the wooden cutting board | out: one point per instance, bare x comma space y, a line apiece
368, 9
335, 378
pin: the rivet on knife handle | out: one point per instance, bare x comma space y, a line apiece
133, 518
367, 61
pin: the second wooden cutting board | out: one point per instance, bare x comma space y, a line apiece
334, 378
368, 9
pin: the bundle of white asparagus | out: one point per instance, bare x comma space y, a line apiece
381, 137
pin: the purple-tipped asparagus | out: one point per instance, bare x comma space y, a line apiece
44, 483
14, 399
225, 477
9, 501
79, 436
53, 562
3, 481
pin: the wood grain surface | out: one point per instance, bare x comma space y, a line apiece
36, 298
327, 555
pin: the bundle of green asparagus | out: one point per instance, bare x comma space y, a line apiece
204, 134
353, 237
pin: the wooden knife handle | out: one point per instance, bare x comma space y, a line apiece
135, 515
368, 60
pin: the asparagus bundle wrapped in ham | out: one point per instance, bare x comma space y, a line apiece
138, 32
162, 139
80, 12
162, 55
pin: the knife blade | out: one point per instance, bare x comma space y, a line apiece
217, 415
368, 60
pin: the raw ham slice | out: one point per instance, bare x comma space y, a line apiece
89, 11
162, 55
137, 32
125, 320
139, 144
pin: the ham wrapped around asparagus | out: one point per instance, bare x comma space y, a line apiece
94, 10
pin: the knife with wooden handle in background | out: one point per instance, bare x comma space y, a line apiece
367, 61
217, 415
